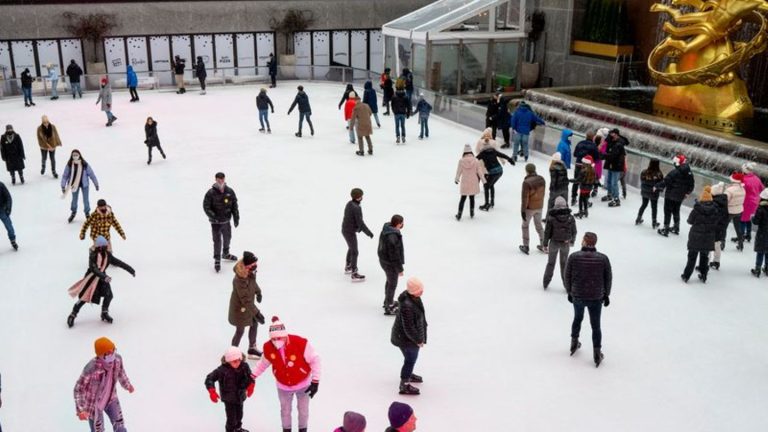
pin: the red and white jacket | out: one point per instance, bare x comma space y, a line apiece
294, 366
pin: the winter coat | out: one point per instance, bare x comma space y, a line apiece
468, 174
677, 183
736, 194
703, 220
361, 119
45, 142
388, 88
760, 221
100, 223
616, 154
93, 286
560, 226
272, 65
647, 182
490, 157
74, 73
345, 96
150, 132
6, 202
264, 102
400, 104
601, 150
178, 66
586, 179
369, 97
588, 275
524, 118
390, 249
752, 186
53, 73
534, 188
233, 383
86, 178
245, 294
410, 326
721, 202
221, 205
558, 179
584, 148
12, 152
423, 108
564, 147
502, 117
353, 219
349, 105
26, 79
302, 100
200, 71
88, 386
132, 80
491, 112
105, 97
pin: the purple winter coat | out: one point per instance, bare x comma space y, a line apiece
87, 387
88, 174
752, 186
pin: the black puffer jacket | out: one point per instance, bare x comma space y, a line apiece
400, 104
74, 72
232, 382
677, 183
391, 247
345, 96
490, 157
178, 66
410, 326
760, 220
588, 275
264, 102
26, 79
353, 219
200, 71
150, 131
220, 205
615, 154
491, 112
721, 202
703, 220
558, 179
560, 227
302, 100
647, 183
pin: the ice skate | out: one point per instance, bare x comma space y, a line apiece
229, 257
407, 389
542, 249
598, 356
714, 265
664, 231
262, 130
614, 203
105, 316
684, 278
703, 277
15, 246
357, 277
217, 266
359, 153
348, 270
524, 249
298, 134
458, 216
398, 140
638, 221
71, 320
71, 217
575, 345
390, 310
606, 198
756, 272
675, 230
416, 379
254, 354
655, 225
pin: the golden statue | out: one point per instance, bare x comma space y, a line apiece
701, 83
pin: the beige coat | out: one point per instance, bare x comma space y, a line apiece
361, 117
469, 173
46, 143
736, 195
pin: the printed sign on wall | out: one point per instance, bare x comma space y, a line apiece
23, 57
302, 46
321, 52
114, 49
137, 54
265, 45
246, 54
225, 51
71, 49
48, 53
161, 59
204, 49
376, 46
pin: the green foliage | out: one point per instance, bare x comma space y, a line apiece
606, 21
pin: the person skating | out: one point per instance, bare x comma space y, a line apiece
200, 73
53, 77
588, 279
469, 173
26, 87
503, 120
615, 164
12, 152
105, 97
152, 140
235, 385
648, 179
564, 148
534, 187
523, 120
401, 108
490, 114
387, 88
347, 95
133, 81
720, 199
48, 139
96, 389
369, 98
272, 67
96, 284
100, 222
677, 185
243, 311
296, 367
558, 180
401, 418
74, 72
353, 422
77, 178
585, 147
264, 105
753, 187
178, 64
586, 180
407, 77
760, 221
409, 333
351, 224
6, 205
559, 237
305, 110
360, 120
349, 105
220, 205
391, 259
488, 153
423, 108
736, 199
602, 150
701, 237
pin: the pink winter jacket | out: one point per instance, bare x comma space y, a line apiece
752, 187
735, 193
87, 387
470, 172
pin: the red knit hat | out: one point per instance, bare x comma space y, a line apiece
679, 159
737, 177
588, 160
104, 80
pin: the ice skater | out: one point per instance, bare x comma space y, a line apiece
178, 65
423, 108
305, 110
387, 87
100, 222
760, 221
469, 173
677, 185
752, 188
349, 105
409, 333
264, 105
235, 385
74, 72
558, 180
347, 95
391, 259
720, 199
585, 147
401, 108
360, 121
701, 237
132, 81
243, 311
490, 156
220, 205
26, 87
105, 97
736, 198
559, 237
586, 180
53, 77
648, 179
351, 224
6, 205
12, 152
48, 139
201, 73
272, 67
77, 177
532, 202
152, 140
369, 98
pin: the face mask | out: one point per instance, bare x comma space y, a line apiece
109, 358
103, 211
278, 343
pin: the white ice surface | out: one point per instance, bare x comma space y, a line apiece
678, 357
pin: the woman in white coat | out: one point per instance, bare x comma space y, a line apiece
469, 174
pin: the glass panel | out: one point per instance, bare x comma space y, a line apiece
404, 53
389, 52
444, 69
473, 61
504, 65
419, 66
447, 9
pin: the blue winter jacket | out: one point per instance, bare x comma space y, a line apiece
523, 118
423, 108
133, 80
369, 97
564, 147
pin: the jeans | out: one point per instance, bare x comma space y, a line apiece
654, 208
424, 130
351, 130
391, 285
76, 90
410, 355
54, 90
594, 307
110, 116
746, 229
671, 211
286, 402
115, 414
521, 141
613, 184
306, 115
264, 118
536, 216
352, 252
5, 218
703, 263
376, 117
759, 256
252, 331
234, 416
27, 95
45, 154
490, 189
86, 202
221, 232
556, 248
400, 125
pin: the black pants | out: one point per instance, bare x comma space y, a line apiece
492, 125
273, 78
202, 83
703, 263
149, 151
488, 187
505, 132
46, 154
106, 300
672, 210
234, 416
252, 330
584, 203
221, 231
736, 220
391, 285
595, 308
352, 252
134, 94
575, 187
623, 181
654, 208
471, 204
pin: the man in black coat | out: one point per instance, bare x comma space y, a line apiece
305, 111
220, 205
588, 280
350, 226
388, 88
201, 73
704, 220
614, 163
12, 152
559, 236
409, 333
178, 65
272, 65
401, 108
585, 147
677, 185
392, 259
6, 203
26, 87
74, 73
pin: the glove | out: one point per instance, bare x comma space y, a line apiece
570, 299
273, 111
522, 214
456, 181
82, 237
83, 415
312, 389
214, 396
97, 188
108, 279
606, 301
109, 106
63, 190
237, 222
131, 389
260, 318
124, 238
258, 298
249, 390
132, 272
370, 235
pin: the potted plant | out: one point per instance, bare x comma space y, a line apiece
91, 28
293, 21
605, 31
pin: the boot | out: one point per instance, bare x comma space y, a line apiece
149, 161
458, 216
42, 170
253, 353
21, 177
703, 277
684, 278
298, 134
357, 277
71, 319
217, 265
229, 257
416, 379
655, 225
714, 265
14, 245
390, 310
598, 355
638, 221
664, 231
162, 153
756, 272
485, 207
606, 198
407, 389
765, 270
614, 203
524, 249
105, 316
675, 230
471, 212
575, 345
71, 217
55, 175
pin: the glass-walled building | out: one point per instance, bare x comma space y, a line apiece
459, 47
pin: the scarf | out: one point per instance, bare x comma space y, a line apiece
106, 387
77, 174
9, 137
48, 130
85, 288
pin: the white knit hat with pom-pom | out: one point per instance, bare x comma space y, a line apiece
232, 354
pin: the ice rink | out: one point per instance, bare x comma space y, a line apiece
677, 357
